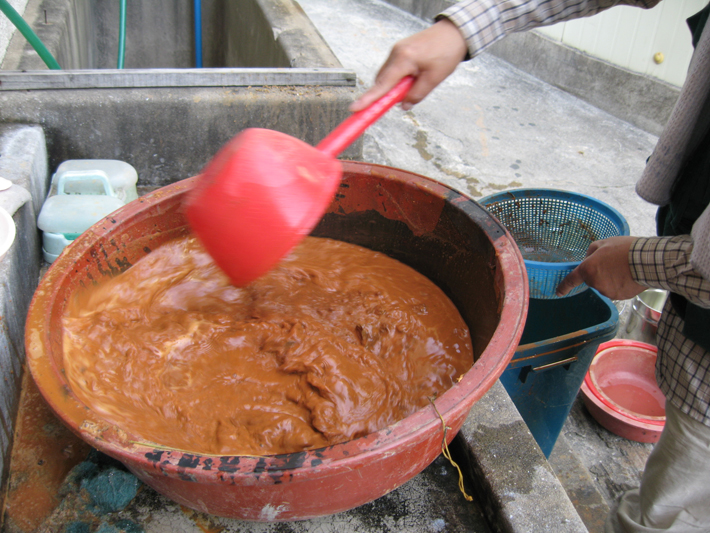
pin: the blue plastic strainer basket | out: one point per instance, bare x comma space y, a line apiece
553, 230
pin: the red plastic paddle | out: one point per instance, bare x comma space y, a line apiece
265, 191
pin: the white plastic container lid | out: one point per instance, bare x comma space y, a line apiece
72, 214
122, 176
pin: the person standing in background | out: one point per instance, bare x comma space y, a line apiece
674, 495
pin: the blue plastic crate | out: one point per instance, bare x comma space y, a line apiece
558, 344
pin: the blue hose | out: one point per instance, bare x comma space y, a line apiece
198, 33
31, 36
122, 35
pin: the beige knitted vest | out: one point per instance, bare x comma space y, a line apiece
675, 144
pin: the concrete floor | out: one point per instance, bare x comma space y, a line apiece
595, 466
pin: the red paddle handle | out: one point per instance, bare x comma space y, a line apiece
352, 127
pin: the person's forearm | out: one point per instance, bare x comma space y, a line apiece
664, 263
429, 56
483, 22
463, 31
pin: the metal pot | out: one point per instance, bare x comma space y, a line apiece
646, 309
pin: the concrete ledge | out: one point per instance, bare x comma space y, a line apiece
23, 161
640, 100
168, 134
579, 484
514, 483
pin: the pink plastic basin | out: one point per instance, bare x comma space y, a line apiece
621, 393
443, 234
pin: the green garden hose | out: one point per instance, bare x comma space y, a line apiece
31, 36
122, 35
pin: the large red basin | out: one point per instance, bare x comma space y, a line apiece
446, 236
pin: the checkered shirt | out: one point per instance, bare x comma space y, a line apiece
683, 367
483, 22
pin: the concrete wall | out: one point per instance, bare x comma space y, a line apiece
169, 132
640, 100
57, 26
423, 8
161, 34
23, 161
84, 35
254, 27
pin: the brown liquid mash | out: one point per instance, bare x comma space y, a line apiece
336, 342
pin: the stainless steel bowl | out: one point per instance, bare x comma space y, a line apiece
645, 313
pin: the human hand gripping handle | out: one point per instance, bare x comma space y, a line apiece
606, 269
430, 56
353, 126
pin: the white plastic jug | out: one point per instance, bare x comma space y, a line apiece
122, 176
64, 216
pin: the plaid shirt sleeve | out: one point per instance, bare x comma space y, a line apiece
483, 22
682, 366
665, 263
